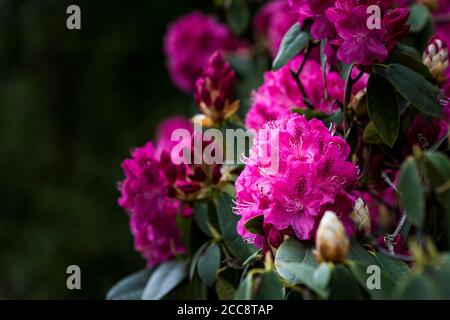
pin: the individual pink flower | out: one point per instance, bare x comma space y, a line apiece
315, 10
190, 41
148, 197
272, 21
357, 43
296, 170
279, 93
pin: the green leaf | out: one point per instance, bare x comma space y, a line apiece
410, 51
268, 287
410, 61
420, 93
255, 225
228, 222
294, 41
418, 17
396, 268
301, 273
130, 287
194, 260
164, 279
201, 217
252, 258
360, 271
358, 253
244, 291
370, 134
343, 285
412, 193
208, 264
224, 289
416, 287
292, 250
322, 275
238, 16
437, 167
383, 109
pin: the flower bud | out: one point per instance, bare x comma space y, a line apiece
360, 216
214, 90
332, 243
435, 58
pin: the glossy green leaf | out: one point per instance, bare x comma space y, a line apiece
268, 287
412, 193
244, 291
224, 289
358, 253
255, 225
130, 287
418, 17
164, 279
370, 134
343, 285
396, 268
416, 287
412, 62
238, 16
208, 264
228, 222
194, 260
301, 273
294, 41
367, 275
415, 89
201, 217
292, 250
383, 109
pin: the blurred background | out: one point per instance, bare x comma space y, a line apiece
72, 104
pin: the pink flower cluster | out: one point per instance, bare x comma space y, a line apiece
147, 194
313, 176
280, 93
344, 23
190, 41
271, 23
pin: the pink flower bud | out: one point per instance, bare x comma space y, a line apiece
214, 90
435, 58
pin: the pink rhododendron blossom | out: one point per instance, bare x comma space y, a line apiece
279, 92
272, 21
313, 176
190, 41
315, 10
148, 197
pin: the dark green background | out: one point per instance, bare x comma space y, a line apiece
72, 103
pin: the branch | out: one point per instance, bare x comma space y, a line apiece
296, 76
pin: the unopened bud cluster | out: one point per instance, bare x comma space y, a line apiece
214, 92
435, 58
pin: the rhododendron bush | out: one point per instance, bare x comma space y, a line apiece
344, 192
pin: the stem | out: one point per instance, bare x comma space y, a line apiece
390, 238
348, 93
296, 76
